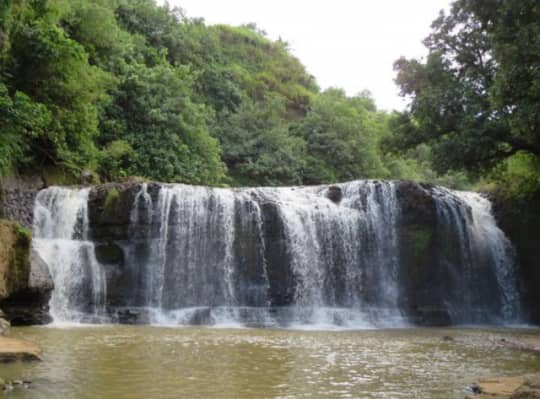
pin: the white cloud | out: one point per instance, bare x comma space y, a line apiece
346, 43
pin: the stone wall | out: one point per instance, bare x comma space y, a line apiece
17, 197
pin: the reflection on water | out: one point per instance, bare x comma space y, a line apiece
123, 362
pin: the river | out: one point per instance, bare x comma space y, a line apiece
121, 362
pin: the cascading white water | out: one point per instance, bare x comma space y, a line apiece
322, 235
499, 250
468, 216
269, 256
345, 256
379, 204
60, 234
191, 261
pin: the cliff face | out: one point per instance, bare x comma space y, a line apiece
520, 220
25, 282
423, 251
17, 197
24, 289
441, 261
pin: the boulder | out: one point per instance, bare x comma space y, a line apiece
40, 278
24, 290
334, 194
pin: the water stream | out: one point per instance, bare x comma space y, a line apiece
281, 257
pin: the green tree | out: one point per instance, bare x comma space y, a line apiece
154, 114
22, 121
476, 99
342, 136
51, 69
257, 146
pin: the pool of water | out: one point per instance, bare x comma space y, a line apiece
123, 362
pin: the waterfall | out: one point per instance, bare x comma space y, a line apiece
482, 247
60, 234
379, 204
316, 257
190, 263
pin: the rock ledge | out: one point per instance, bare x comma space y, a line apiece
519, 387
12, 349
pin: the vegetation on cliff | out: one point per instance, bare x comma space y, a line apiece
14, 257
475, 100
127, 87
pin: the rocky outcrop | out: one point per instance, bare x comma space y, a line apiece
436, 277
418, 253
17, 197
110, 207
444, 274
12, 349
520, 220
518, 387
24, 290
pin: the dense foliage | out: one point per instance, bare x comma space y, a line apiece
475, 100
127, 87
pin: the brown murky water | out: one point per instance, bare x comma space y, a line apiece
124, 362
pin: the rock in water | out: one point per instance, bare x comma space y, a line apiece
518, 387
12, 349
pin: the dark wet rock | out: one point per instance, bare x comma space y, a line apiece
421, 279
200, 317
27, 308
280, 274
131, 316
432, 264
249, 274
109, 254
24, 290
334, 194
520, 220
109, 211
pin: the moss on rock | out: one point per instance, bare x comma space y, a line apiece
14, 257
112, 200
421, 239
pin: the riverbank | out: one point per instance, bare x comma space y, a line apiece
120, 362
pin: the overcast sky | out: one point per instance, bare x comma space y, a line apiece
345, 43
